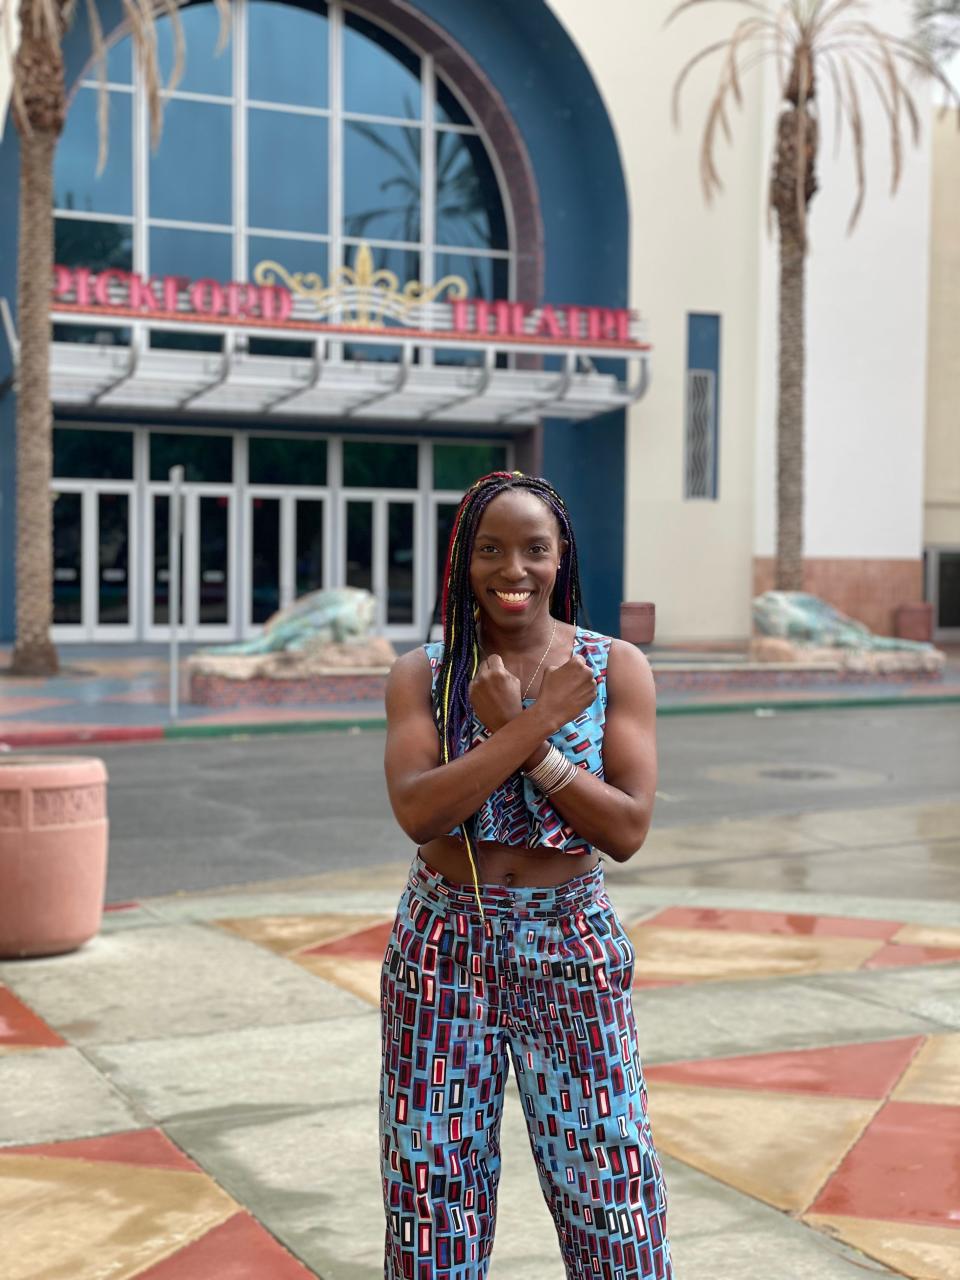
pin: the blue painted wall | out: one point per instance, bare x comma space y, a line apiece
548, 89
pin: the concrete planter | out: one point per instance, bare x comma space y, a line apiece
637, 621
53, 853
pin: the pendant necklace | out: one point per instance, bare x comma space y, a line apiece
553, 634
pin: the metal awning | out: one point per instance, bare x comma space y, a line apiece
509, 382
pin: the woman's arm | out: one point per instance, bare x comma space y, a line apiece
430, 799
614, 813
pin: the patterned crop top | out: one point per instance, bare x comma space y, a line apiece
517, 813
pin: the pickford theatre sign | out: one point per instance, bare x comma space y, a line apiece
354, 297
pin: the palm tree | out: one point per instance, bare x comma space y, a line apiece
38, 102
811, 43
938, 26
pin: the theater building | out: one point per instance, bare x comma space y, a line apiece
383, 247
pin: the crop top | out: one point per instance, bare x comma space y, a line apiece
517, 813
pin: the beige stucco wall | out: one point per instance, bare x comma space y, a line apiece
693, 559
942, 463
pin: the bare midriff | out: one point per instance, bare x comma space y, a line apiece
508, 864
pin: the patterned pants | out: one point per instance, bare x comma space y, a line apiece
544, 983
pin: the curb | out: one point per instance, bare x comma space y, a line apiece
82, 734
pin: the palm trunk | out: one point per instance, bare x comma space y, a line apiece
791, 361
39, 118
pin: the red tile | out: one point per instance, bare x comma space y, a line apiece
895, 953
844, 1071
905, 1167
365, 944
239, 1249
121, 906
773, 922
148, 1147
19, 1025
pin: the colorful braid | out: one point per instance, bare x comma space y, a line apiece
451, 700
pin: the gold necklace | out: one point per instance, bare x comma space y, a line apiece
553, 634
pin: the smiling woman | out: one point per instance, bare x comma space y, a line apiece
529, 962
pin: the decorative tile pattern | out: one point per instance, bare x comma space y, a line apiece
21, 1029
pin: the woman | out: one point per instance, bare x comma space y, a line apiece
516, 749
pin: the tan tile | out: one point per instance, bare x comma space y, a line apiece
713, 955
934, 1074
780, 1148
923, 1253
700, 841
286, 934
909, 823
923, 935
85, 1220
359, 977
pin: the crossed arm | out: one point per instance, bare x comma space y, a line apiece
430, 799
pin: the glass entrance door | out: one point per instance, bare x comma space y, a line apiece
207, 588
287, 551
380, 542
93, 540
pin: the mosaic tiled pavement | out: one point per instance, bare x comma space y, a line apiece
194, 1094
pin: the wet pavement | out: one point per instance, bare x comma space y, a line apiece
193, 1095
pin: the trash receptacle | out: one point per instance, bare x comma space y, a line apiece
53, 853
913, 621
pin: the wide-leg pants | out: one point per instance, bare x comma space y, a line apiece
542, 982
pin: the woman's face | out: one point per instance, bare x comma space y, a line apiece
516, 554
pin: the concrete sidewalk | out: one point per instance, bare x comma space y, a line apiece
121, 693
193, 1095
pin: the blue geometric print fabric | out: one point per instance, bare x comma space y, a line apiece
543, 984
517, 813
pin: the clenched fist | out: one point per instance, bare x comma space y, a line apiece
495, 694
567, 690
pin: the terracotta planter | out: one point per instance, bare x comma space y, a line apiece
637, 622
913, 621
53, 853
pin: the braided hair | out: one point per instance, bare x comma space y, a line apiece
459, 613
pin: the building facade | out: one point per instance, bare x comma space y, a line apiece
383, 247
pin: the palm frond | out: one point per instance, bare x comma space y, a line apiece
756, 5
852, 102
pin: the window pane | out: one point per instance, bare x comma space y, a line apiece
202, 457
456, 466
400, 562
76, 183
469, 208
375, 465
265, 590
214, 560
486, 277
381, 75
190, 172
279, 461
287, 185
446, 514
113, 599
948, 589
309, 545
161, 562
449, 110
296, 256
67, 567
97, 245
204, 70
360, 545
381, 181
287, 54
198, 255
405, 265
92, 455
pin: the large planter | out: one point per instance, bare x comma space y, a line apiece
637, 622
53, 853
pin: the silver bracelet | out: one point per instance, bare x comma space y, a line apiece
553, 773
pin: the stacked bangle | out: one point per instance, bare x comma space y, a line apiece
553, 773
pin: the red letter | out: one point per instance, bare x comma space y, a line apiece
461, 316
276, 302
608, 325
206, 297
171, 291
574, 317
242, 300
101, 288
546, 325
62, 281
507, 317
82, 284
142, 296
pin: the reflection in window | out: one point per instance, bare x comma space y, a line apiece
405, 265
97, 245
381, 75
288, 171
67, 565
456, 466
198, 255
204, 70
76, 183
369, 464
113, 596
202, 457
92, 455
469, 209
190, 172
275, 460
287, 55
449, 110
265, 575
296, 255
400, 562
309, 545
485, 277
381, 181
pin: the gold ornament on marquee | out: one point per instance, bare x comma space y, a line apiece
360, 295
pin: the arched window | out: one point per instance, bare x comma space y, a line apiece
312, 132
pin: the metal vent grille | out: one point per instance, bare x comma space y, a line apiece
700, 471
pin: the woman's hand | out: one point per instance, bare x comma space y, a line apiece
495, 694
567, 690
